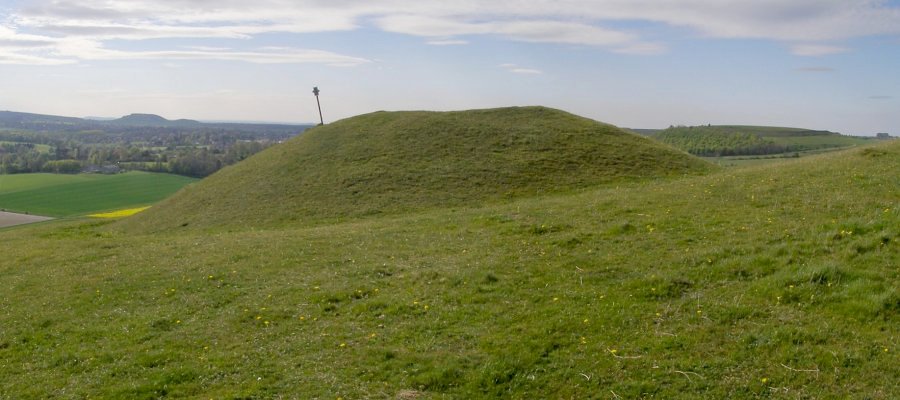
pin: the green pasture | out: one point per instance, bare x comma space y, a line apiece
820, 141
62, 195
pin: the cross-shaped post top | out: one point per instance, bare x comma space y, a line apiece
316, 90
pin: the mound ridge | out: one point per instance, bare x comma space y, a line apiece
391, 162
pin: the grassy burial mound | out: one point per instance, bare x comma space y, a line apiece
778, 281
388, 162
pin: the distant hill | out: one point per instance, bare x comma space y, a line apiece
151, 120
729, 140
12, 119
53, 123
389, 162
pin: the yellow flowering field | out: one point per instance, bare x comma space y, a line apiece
120, 213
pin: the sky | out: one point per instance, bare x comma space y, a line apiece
818, 64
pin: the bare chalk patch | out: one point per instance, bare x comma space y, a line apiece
12, 219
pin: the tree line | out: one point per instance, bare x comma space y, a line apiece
710, 141
195, 153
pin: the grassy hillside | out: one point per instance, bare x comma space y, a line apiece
390, 162
59, 195
731, 140
763, 282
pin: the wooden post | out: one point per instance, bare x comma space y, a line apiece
316, 92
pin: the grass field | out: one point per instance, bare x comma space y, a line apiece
742, 141
820, 142
61, 195
768, 282
743, 161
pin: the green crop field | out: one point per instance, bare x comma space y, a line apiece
821, 141
773, 281
735, 140
60, 195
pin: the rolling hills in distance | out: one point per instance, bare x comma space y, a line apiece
359, 260
51, 123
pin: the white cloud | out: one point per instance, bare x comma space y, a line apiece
520, 70
447, 42
645, 49
812, 50
563, 32
26, 59
809, 27
816, 69
535, 31
289, 56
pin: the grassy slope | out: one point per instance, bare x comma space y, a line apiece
390, 162
60, 195
764, 282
